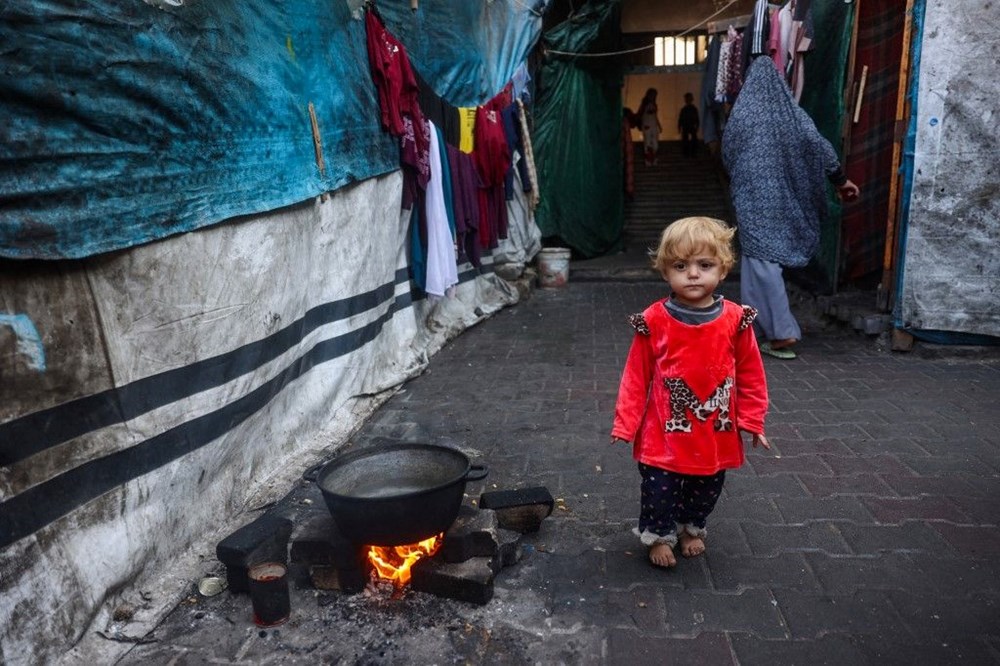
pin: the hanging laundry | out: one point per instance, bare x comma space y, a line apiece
465, 185
441, 264
492, 159
401, 116
467, 128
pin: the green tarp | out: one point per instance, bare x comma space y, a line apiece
578, 133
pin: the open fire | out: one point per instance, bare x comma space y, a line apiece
393, 563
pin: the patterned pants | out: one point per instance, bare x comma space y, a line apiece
673, 502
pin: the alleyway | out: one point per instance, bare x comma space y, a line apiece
869, 535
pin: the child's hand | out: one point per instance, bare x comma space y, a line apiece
618, 440
761, 440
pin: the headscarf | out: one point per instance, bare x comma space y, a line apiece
778, 163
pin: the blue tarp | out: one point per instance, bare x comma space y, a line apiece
122, 123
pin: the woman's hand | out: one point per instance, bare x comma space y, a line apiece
848, 191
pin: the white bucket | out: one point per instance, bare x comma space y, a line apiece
553, 266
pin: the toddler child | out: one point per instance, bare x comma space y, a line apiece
693, 381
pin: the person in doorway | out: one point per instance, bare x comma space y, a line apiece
649, 123
687, 126
778, 166
693, 383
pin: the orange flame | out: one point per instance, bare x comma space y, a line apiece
394, 562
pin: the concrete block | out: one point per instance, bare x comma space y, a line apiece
263, 540
521, 510
316, 540
470, 581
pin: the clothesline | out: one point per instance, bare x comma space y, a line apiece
643, 48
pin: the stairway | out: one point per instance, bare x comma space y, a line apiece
673, 188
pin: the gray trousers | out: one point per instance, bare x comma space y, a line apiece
763, 287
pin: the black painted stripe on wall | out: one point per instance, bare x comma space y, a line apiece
40, 505
33, 433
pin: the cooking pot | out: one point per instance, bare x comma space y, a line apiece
396, 494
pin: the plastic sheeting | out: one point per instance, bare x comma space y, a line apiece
125, 122
213, 384
578, 133
950, 275
823, 100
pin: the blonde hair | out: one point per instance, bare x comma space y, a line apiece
690, 236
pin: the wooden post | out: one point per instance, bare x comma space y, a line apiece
317, 140
890, 256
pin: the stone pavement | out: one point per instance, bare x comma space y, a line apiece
868, 535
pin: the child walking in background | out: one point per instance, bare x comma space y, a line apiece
649, 122
692, 383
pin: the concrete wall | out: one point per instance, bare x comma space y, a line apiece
658, 15
176, 385
951, 264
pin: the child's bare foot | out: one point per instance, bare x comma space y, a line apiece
662, 555
691, 546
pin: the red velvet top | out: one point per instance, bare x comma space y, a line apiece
687, 390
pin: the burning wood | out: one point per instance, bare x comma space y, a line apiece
393, 563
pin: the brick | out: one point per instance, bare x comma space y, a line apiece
741, 486
315, 539
470, 581
522, 510
262, 540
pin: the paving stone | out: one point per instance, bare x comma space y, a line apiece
628, 646
913, 537
785, 570
978, 542
930, 617
950, 578
741, 486
877, 464
772, 539
752, 611
803, 509
809, 615
825, 651
854, 484
892, 510
640, 607
916, 486
790, 464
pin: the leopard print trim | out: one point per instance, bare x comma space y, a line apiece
638, 322
749, 314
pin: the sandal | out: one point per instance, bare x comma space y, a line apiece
783, 353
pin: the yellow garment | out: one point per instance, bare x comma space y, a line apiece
467, 127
